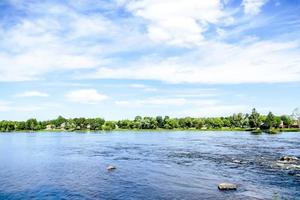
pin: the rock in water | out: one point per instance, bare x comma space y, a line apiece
111, 167
227, 186
289, 158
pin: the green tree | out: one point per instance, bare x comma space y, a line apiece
287, 120
59, 121
109, 126
125, 124
95, 123
277, 121
254, 119
199, 123
80, 123
31, 124
237, 120
270, 121
160, 121
21, 126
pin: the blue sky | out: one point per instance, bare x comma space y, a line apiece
121, 58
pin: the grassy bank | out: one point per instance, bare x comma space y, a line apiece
255, 131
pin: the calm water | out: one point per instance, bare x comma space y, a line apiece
150, 165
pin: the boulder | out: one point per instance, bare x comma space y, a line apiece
111, 167
227, 186
288, 163
289, 158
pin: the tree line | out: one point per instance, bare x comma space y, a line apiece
251, 121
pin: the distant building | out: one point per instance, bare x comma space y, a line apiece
296, 124
63, 126
49, 127
282, 125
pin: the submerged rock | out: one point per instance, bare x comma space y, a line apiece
283, 165
236, 161
227, 186
294, 173
289, 158
111, 167
256, 131
287, 163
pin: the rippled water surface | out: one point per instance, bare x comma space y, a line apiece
150, 165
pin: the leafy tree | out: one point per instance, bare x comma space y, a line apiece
199, 123
254, 119
95, 123
226, 122
125, 124
237, 120
170, 123
80, 123
160, 121
270, 121
186, 122
59, 121
148, 123
277, 121
287, 120
21, 126
109, 126
31, 124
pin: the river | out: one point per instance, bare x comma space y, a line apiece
149, 165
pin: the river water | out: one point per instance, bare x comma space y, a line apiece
150, 165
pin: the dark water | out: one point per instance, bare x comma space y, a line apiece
150, 165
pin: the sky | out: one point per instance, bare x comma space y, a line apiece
120, 58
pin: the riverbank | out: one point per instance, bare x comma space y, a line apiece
225, 129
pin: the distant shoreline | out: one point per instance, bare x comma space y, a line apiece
253, 122
153, 130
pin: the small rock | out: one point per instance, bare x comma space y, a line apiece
227, 186
111, 167
289, 158
286, 165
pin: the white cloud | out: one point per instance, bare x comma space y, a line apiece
34, 47
180, 22
66, 41
32, 94
259, 62
200, 107
253, 7
143, 87
86, 96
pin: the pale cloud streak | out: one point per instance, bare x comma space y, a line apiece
153, 102
259, 62
86, 96
35, 47
32, 94
253, 7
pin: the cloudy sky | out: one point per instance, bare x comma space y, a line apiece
121, 58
